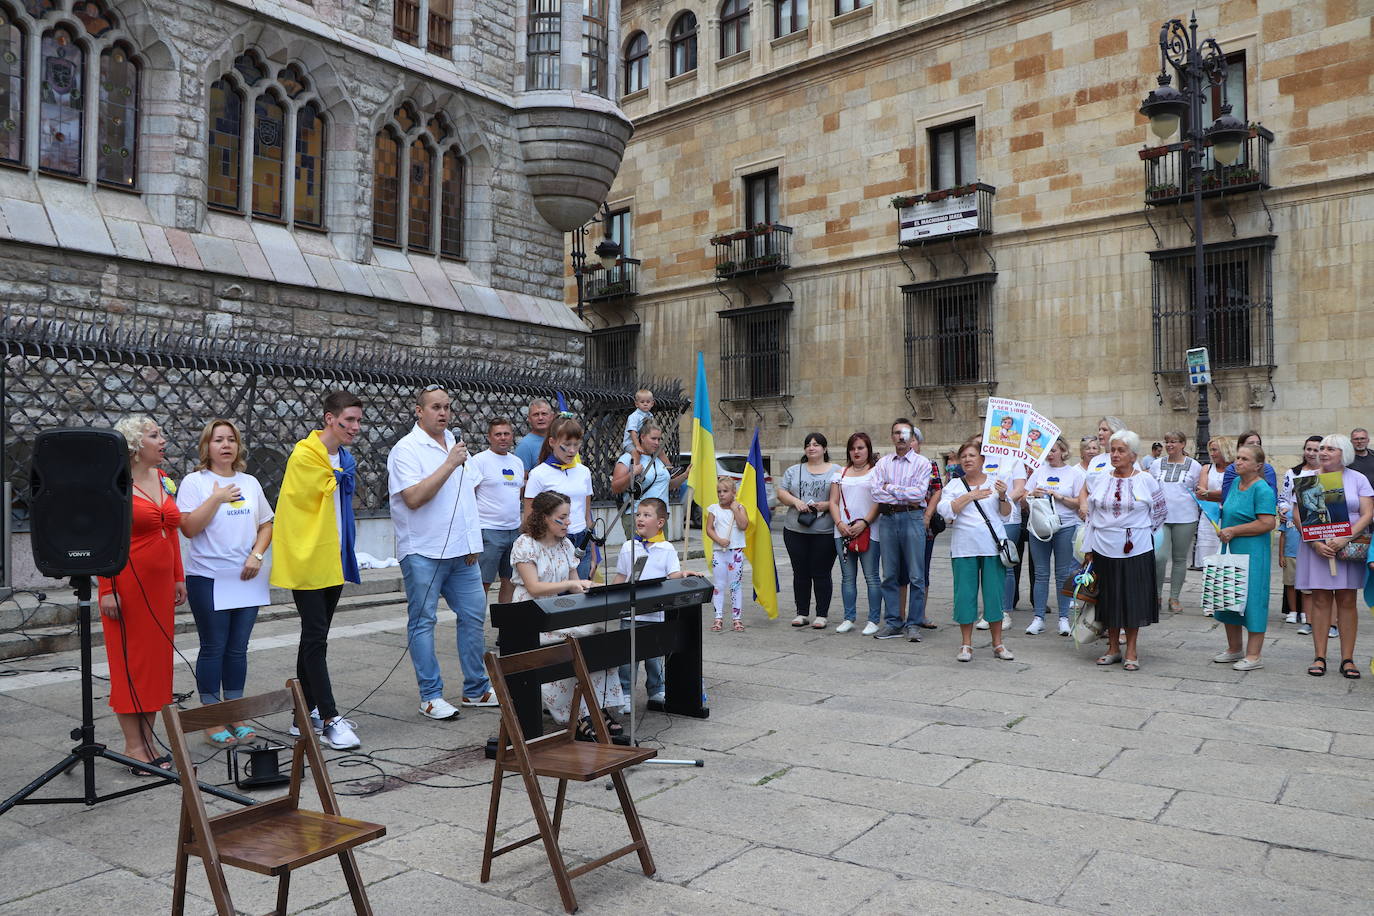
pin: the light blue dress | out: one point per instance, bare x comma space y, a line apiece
1241, 508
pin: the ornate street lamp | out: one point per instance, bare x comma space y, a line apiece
607, 253
1201, 66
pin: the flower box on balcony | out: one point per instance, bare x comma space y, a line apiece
942, 214
760, 248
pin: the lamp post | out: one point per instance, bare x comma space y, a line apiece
607, 252
1201, 66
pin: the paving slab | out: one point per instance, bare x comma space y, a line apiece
1284, 825
764, 876
1301, 739
1064, 790
1007, 746
1181, 771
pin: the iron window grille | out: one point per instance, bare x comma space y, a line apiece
612, 356
948, 332
1238, 291
755, 352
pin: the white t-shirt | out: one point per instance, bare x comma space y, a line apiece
574, 483
1179, 482
970, 535
446, 526
1008, 471
227, 540
858, 500
498, 492
1065, 481
723, 524
661, 559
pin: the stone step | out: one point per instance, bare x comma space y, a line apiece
51, 627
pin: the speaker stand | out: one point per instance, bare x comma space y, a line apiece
88, 749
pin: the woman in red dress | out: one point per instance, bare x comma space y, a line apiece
136, 606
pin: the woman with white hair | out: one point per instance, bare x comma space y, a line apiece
1334, 593
1124, 508
136, 605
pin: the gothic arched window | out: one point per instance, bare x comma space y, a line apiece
430, 210
118, 118
12, 41
61, 102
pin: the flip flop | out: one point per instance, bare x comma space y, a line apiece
717, 626
244, 732
222, 738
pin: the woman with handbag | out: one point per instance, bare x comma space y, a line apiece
1056, 484
1333, 594
856, 541
1178, 475
978, 547
808, 529
1124, 510
1247, 518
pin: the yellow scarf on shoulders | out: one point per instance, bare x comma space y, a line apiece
305, 540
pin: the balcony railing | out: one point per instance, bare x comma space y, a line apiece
1169, 181
944, 214
620, 281
756, 250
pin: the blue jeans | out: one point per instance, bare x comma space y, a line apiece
461, 586
653, 671
903, 535
223, 658
1009, 589
849, 574
1061, 548
582, 541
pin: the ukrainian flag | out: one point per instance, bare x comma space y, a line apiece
758, 540
702, 478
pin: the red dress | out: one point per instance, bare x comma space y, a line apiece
138, 645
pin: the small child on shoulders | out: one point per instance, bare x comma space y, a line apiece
727, 524
644, 409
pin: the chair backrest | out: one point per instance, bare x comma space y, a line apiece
180, 722
547, 663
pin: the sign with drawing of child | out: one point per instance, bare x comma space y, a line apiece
1002, 436
1322, 511
1039, 438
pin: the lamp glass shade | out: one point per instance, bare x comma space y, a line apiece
607, 252
1227, 134
1164, 125
1226, 152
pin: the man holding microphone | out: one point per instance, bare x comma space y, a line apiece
439, 541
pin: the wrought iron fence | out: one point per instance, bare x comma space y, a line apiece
620, 281
756, 250
59, 373
755, 351
1238, 293
1169, 180
949, 339
611, 357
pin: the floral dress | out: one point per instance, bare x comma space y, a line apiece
554, 564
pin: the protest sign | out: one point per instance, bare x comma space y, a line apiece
1006, 425
1322, 512
1039, 439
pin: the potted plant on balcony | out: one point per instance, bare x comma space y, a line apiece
725, 268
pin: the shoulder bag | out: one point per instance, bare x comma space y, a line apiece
859, 542
1006, 549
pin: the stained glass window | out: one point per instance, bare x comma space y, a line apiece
293, 81
61, 102
250, 67
437, 129
93, 17
451, 206
118, 118
386, 191
11, 89
405, 116
421, 184
226, 143
39, 8
269, 148
310, 139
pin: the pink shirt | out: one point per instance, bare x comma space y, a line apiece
899, 480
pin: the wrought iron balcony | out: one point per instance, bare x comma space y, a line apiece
620, 281
759, 249
1169, 181
944, 214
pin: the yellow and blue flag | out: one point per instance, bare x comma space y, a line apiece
702, 478
758, 540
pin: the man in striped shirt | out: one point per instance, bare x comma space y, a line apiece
901, 483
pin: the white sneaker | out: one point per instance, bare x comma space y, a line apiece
625, 709
486, 699
438, 708
1037, 626
339, 735
870, 628
1223, 658
1064, 628
315, 722
1333, 633
845, 627
1291, 617
818, 624
981, 624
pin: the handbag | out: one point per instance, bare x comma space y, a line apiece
1356, 551
858, 543
1006, 549
1225, 582
807, 518
1041, 518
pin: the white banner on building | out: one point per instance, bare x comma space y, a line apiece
950, 216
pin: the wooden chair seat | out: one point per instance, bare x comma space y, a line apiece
274, 837
560, 756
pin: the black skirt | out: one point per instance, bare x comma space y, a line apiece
1128, 595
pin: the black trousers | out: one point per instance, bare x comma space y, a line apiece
813, 557
316, 607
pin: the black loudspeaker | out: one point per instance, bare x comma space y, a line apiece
81, 502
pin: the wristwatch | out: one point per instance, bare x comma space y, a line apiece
257, 556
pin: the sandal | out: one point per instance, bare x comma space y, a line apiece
1174, 606
1349, 670
739, 626
1318, 666
244, 732
153, 767
799, 621
1111, 658
222, 738
965, 654
612, 726
1131, 664
585, 732
717, 626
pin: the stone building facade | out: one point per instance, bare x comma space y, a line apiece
1068, 284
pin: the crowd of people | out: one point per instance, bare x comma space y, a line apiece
518, 515
1119, 527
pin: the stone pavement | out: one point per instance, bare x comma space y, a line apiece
843, 775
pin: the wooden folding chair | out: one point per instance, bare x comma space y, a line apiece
560, 756
274, 837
